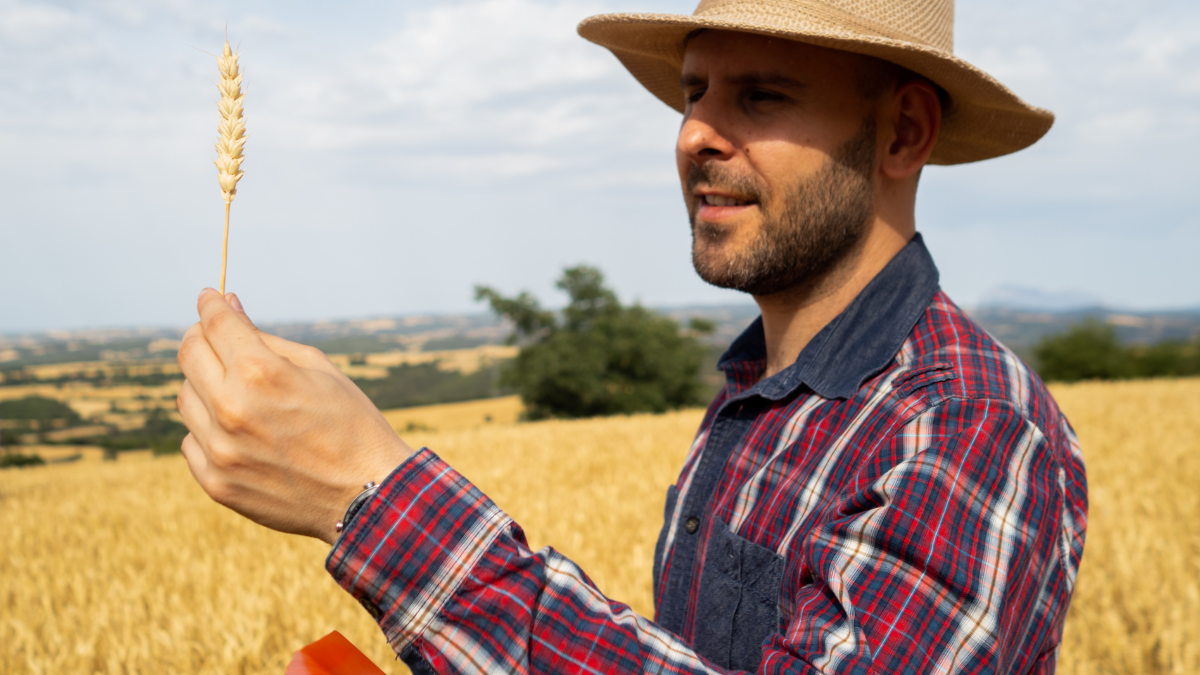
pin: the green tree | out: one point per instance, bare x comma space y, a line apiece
1170, 358
1087, 351
38, 408
598, 357
427, 384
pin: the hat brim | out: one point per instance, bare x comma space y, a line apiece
984, 120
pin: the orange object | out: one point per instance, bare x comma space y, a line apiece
331, 655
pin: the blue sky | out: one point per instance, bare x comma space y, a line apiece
402, 152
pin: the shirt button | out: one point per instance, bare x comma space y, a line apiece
691, 524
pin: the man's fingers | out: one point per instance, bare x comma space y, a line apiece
301, 355
199, 362
227, 332
197, 461
196, 415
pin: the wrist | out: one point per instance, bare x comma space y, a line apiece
360, 500
373, 468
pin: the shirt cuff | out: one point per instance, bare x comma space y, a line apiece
408, 549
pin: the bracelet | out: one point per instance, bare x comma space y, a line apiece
368, 491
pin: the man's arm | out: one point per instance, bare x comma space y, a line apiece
940, 562
456, 589
953, 561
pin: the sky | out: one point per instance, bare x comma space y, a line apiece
401, 153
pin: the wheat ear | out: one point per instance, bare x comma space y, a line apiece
232, 138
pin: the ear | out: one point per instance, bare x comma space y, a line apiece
914, 119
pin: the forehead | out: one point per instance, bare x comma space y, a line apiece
718, 52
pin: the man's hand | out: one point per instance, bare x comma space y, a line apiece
278, 433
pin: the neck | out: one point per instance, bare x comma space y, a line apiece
792, 318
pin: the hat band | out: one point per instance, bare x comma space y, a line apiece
783, 15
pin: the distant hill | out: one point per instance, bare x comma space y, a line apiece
1037, 300
1020, 329
1018, 326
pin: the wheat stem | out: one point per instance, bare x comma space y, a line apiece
231, 140
225, 248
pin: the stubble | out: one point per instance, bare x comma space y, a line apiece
807, 230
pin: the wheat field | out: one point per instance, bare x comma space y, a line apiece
127, 567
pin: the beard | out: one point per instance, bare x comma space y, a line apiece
807, 230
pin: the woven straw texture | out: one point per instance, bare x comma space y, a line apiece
984, 119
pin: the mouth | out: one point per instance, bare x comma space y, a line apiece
722, 200
716, 206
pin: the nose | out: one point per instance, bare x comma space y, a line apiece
702, 137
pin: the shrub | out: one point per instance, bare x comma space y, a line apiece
1087, 351
38, 408
1091, 351
18, 461
426, 384
1166, 359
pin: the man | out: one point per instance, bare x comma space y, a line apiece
880, 487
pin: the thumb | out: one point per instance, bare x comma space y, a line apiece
236, 304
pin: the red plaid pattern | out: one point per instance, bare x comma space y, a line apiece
931, 522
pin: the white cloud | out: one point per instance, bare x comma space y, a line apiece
483, 140
494, 79
477, 52
1123, 126
26, 23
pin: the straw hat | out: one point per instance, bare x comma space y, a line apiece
984, 118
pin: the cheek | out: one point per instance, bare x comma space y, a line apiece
781, 166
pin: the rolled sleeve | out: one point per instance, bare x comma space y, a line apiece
410, 548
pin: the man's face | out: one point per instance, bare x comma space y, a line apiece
777, 158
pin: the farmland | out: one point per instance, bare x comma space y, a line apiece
130, 404
126, 567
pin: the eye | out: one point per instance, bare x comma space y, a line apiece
694, 95
763, 96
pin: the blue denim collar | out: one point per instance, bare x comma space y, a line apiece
858, 343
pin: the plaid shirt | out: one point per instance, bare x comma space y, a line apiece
905, 498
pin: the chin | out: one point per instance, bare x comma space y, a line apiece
717, 234
714, 263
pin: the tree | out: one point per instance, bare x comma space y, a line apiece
1170, 358
598, 357
427, 384
1091, 351
38, 408
1087, 351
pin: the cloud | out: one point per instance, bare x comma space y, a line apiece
480, 52
25, 23
484, 90
483, 140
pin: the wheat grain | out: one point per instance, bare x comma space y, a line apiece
231, 140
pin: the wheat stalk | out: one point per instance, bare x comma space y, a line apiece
232, 138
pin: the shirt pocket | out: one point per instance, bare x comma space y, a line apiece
659, 548
737, 606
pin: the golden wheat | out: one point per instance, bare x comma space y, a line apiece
455, 416
128, 568
1136, 607
231, 138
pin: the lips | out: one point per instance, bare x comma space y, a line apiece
720, 206
722, 200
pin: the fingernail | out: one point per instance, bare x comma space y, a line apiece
206, 290
236, 303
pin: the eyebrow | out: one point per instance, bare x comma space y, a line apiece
748, 79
